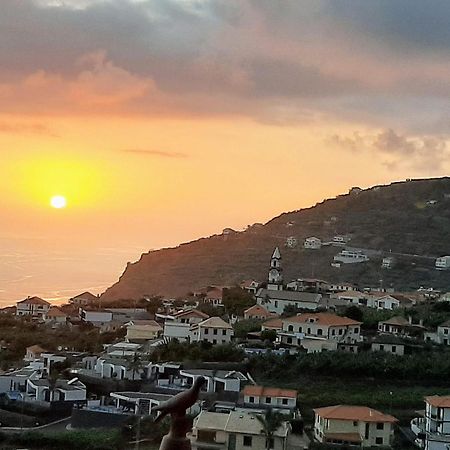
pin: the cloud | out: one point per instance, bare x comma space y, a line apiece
398, 149
26, 128
155, 153
231, 57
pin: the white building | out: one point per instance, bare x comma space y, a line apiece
388, 262
291, 242
214, 330
351, 257
275, 282
441, 335
55, 316
276, 301
280, 400
319, 331
353, 425
178, 325
312, 243
437, 422
32, 306
96, 317
64, 391
235, 430
442, 263
85, 299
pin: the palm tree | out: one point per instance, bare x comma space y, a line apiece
135, 364
270, 421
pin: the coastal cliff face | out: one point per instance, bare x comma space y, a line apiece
411, 219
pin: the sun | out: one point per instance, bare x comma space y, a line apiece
58, 202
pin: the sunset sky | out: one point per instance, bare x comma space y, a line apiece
161, 121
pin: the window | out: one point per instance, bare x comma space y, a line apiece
380, 426
284, 401
356, 330
355, 423
247, 441
268, 400
445, 330
270, 443
319, 332
333, 331
276, 303
291, 328
379, 441
289, 340
206, 330
300, 329
394, 349
215, 331
214, 341
367, 431
224, 332
340, 331
308, 331
381, 347
251, 399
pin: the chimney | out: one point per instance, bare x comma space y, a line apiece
410, 320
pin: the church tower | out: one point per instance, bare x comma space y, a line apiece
275, 272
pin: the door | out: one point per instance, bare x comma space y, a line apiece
232, 442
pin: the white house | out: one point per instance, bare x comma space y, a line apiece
351, 257
442, 263
291, 242
55, 316
441, 335
85, 299
275, 301
32, 306
65, 390
235, 430
17, 379
319, 328
312, 243
437, 422
95, 317
214, 330
280, 400
382, 300
353, 425
142, 330
178, 325
388, 262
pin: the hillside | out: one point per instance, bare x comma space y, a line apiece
411, 217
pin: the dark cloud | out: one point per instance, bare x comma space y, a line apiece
155, 153
341, 58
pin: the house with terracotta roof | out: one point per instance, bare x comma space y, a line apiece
84, 299
272, 324
237, 430
214, 296
33, 353
142, 330
319, 331
178, 325
276, 301
437, 422
32, 306
250, 286
214, 330
257, 312
399, 326
55, 316
280, 400
353, 425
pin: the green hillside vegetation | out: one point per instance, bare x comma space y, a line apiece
397, 218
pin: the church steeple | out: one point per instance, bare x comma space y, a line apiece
275, 272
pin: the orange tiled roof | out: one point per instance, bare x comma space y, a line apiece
257, 309
36, 349
346, 412
439, 401
54, 311
323, 319
261, 391
34, 301
273, 323
191, 313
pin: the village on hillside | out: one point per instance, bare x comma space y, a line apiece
261, 347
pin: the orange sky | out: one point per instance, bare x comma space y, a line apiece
161, 122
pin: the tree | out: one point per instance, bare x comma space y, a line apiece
269, 335
135, 364
353, 312
237, 300
270, 421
